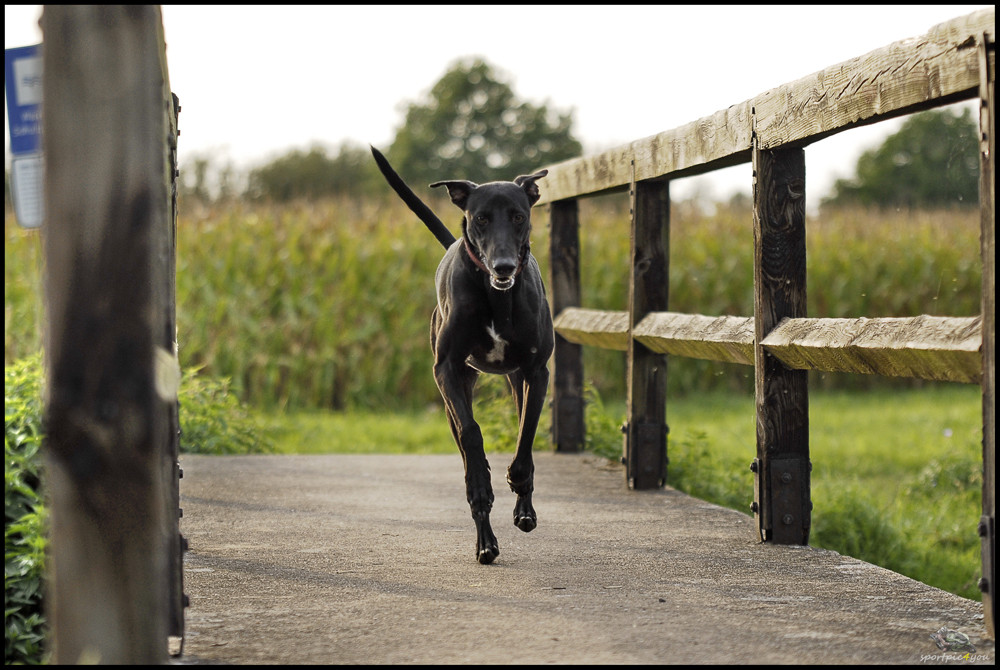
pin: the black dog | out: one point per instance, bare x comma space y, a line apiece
491, 316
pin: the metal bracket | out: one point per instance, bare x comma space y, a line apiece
791, 509
781, 503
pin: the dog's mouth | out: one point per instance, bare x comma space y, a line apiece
501, 283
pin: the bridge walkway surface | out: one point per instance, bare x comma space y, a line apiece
369, 559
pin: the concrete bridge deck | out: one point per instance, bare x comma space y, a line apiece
368, 559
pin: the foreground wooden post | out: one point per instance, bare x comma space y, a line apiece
782, 503
111, 381
646, 383
987, 192
568, 430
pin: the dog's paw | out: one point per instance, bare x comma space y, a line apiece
487, 548
525, 523
487, 555
524, 514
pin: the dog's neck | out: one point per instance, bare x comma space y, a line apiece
501, 304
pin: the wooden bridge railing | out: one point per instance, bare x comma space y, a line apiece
954, 61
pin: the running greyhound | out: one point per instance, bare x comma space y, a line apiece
491, 316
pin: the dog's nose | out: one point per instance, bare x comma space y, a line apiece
504, 267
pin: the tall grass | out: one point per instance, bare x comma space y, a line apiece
325, 305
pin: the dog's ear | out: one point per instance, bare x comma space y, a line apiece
527, 182
458, 190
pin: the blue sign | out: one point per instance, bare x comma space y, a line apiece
23, 70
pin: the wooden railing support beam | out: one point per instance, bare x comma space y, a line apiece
568, 430
646, 384
782, 505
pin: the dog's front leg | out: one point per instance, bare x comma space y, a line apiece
521, 473
456, 383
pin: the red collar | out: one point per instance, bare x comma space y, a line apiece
475, 258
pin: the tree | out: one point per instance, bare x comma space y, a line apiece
932, 161
471, 126
314, 174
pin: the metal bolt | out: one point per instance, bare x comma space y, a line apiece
753, 466
982, 529
786, 477
787, 519
984, 585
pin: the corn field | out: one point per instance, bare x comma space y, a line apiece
325, 305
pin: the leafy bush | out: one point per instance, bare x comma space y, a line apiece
699, 469
212, 421
24, 514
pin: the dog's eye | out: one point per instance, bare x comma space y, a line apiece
481, 219
517, 218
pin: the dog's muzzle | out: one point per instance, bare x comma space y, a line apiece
502, 283
496, 281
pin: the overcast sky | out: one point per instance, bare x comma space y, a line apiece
256, 81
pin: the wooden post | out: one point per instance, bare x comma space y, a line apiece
987, 193
646, 383
171, 467
111, 381
568, 431
781, 470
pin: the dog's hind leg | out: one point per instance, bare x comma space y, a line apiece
529, 394
456, 389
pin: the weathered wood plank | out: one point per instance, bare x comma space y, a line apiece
939, 67
715, 338
918, 73
926, 347
594, 327
710, 143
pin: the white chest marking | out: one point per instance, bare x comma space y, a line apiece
496, 354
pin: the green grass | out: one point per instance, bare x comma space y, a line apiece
363, 432
896, 477
403, 431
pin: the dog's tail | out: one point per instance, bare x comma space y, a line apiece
415, 204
